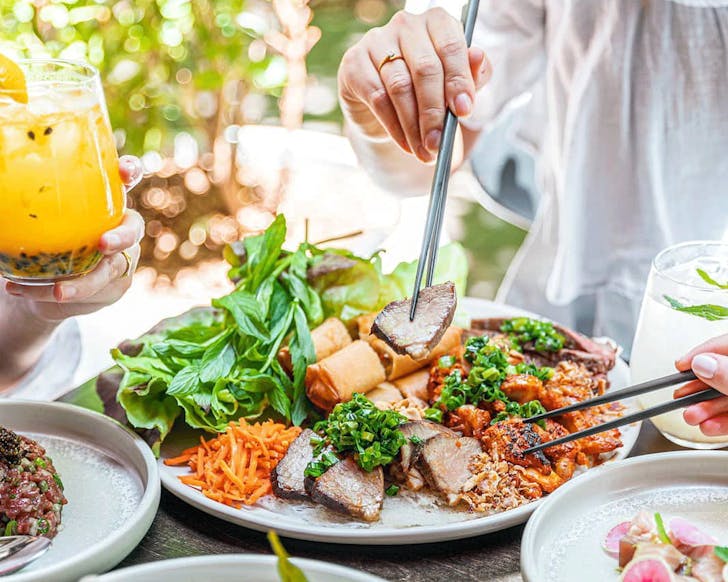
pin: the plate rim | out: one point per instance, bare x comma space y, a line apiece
529, 569
123, 537
314, 566
264, 520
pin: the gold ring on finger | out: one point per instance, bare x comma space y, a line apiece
391, 57
129, 264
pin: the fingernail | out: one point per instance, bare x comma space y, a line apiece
68, 292
423, 154
10, 289
705, 366
463, 105
112, 241
432, 141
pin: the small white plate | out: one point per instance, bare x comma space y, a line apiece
231, 568
111, 483
403, 521
563, 539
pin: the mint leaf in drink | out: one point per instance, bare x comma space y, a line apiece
709, 311
710, 281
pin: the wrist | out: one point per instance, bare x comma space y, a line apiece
23, 337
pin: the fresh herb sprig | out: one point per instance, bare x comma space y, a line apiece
661, 531
721, 552
287, 570
709, 311
541, 333
489, 369
357, 426
223, 365
710, 281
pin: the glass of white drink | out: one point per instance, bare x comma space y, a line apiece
685, 304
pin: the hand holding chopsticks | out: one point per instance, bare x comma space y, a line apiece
438, 193
644, 388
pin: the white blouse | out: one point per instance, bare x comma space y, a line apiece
628, 118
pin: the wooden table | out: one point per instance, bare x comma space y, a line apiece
180, 530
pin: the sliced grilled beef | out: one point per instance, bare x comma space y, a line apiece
599, 358
287, 478
422, 430
347, 488
417, 338
445, 460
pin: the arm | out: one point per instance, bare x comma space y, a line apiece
29, 315
393, 115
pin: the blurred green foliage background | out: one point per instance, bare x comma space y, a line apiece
180, 76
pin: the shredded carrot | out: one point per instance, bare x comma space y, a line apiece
234, 468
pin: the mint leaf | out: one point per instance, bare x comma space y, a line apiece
721, 552
709, 311
710, 281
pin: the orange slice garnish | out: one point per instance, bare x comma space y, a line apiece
12, 80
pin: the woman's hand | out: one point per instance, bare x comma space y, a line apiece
709, 361
404, 98
107, 282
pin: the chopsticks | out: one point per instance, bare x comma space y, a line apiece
636, 390
438, 192
678, 403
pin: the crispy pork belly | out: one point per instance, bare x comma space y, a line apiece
287, 478
417, 338
347, 488
508, 439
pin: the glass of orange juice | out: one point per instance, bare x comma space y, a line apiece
60, 188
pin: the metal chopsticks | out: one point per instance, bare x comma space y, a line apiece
438, 192
613, 396
676, 404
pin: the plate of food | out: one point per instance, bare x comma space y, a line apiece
79, 478
236, 567
306, 401
653, 518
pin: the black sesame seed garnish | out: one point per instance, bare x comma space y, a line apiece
42, 188
48, 131
33, 215
31, 135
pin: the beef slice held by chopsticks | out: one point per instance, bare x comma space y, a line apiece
417, 338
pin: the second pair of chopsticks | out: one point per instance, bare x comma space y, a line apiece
637, 390
438, 192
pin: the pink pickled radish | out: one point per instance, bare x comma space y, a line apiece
647, 570
682, 532
611, 542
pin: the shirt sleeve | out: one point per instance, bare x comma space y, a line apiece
513, 35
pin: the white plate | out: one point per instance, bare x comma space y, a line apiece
111, 483
563, 538
403, 521
231, 568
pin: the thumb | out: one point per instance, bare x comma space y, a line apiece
712, 369
480, 67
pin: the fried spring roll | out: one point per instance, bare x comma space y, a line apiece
398, 366
385, 393
356, 368
328, 338
364, 325
414, 385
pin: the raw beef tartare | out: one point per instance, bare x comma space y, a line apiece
31, 492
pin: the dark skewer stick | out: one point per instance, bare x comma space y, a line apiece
438, 192
676, 404
613, 396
